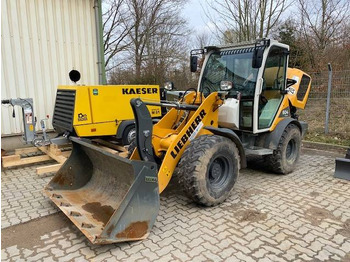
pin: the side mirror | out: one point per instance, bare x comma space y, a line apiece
168, 86
226, 85
258, 54
194, 63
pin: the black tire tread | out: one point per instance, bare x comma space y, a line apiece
192, 158
275, 162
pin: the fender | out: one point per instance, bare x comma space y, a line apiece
124, 124
235, 139
272, 139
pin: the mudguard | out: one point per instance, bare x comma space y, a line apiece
124, 124
272, 139
233, 136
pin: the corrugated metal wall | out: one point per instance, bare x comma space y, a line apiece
41, 41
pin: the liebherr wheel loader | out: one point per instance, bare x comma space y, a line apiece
245, 104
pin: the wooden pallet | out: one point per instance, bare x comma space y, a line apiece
51, 152
111, 147
54, 152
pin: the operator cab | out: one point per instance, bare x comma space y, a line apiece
257, 72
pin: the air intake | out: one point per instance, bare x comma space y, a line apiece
64, 111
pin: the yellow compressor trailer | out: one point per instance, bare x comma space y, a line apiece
99, 111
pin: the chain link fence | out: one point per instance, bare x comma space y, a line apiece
339, 110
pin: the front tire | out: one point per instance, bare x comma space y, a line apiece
285, 157
208, 169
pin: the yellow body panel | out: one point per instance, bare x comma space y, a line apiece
297, 74
98, 129
291, 97
278, 118
113, 104
99, 110
171, 140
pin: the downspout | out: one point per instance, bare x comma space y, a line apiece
100, 48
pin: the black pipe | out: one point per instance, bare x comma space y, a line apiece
178, 106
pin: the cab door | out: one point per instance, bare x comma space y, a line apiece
274, 82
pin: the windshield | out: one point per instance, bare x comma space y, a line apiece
234, 66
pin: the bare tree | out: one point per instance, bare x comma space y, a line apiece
245, 20
202, 39
323, 19
322, 27
116, 29
154, 43
166, 50
155, 21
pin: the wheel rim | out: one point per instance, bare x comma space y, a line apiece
291, 150
218, 172
131, 135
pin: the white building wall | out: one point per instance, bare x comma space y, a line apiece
41, 41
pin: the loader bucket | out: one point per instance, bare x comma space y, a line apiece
109, 198
342, 168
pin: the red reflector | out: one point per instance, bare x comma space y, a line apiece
93, 129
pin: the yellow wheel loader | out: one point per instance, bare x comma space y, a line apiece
246, 104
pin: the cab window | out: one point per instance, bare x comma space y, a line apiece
234, 66
274, 81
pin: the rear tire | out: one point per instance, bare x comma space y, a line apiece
208, 169
285, 157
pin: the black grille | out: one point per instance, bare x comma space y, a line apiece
304, 85
64, 111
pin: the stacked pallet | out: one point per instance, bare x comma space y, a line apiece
111, 147
59, 153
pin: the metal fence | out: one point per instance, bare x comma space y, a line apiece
339, 106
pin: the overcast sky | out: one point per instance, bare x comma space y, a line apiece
195, 15
198, 22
